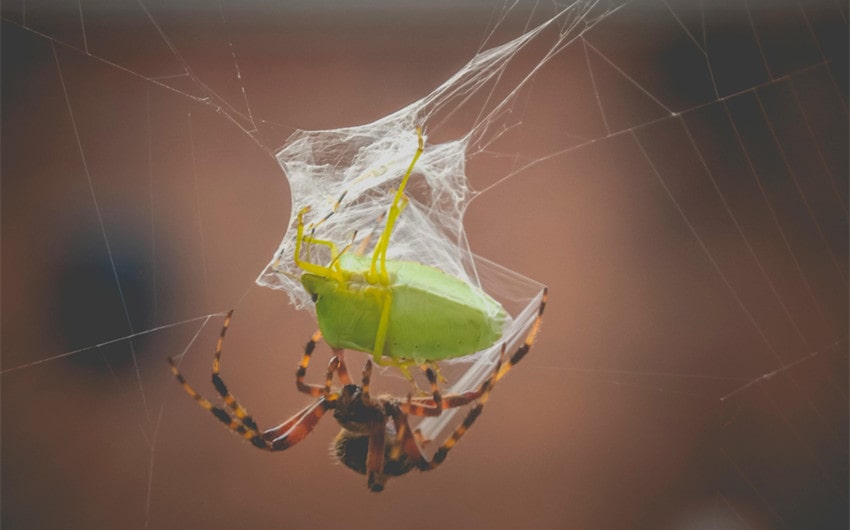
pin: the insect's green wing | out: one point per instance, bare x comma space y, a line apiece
433, 315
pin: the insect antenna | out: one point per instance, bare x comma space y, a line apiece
344, 250
337, 204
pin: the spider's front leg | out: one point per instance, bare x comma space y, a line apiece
374, 420
313, 390
282, 437
234, 424
375, 459
299, 426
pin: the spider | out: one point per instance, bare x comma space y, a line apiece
376, 439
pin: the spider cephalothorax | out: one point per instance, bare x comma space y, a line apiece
376, 438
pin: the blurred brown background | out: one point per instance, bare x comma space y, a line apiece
692, 371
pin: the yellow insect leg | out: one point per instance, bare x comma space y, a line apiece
383, 326
381, 340
399, 203
395, 210
312, 268
325, 243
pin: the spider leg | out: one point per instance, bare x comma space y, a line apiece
342, 369
529, 339
424, 406
313, 390
279, 438
375, 459
487, 386
375, 452
420, 409
300, 425
436, 396
410, 442
472, 415
229, 399
428, 406
333, 365
296, 428
367, 377
449, 401
433, 406
234, 424
405, 441
283, 428
218, 382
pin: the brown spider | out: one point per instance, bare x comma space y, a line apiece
376, 439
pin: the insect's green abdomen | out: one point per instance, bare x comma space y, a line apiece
433, 315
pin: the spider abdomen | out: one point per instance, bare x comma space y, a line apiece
351, 450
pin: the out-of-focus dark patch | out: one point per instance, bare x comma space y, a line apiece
89, 306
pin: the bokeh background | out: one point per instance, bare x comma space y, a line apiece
686, 204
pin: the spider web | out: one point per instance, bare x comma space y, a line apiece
677, 176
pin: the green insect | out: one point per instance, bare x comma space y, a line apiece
402, 312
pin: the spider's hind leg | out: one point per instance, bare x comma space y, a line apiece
277, 439
471, 416
487, 386
529, 338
